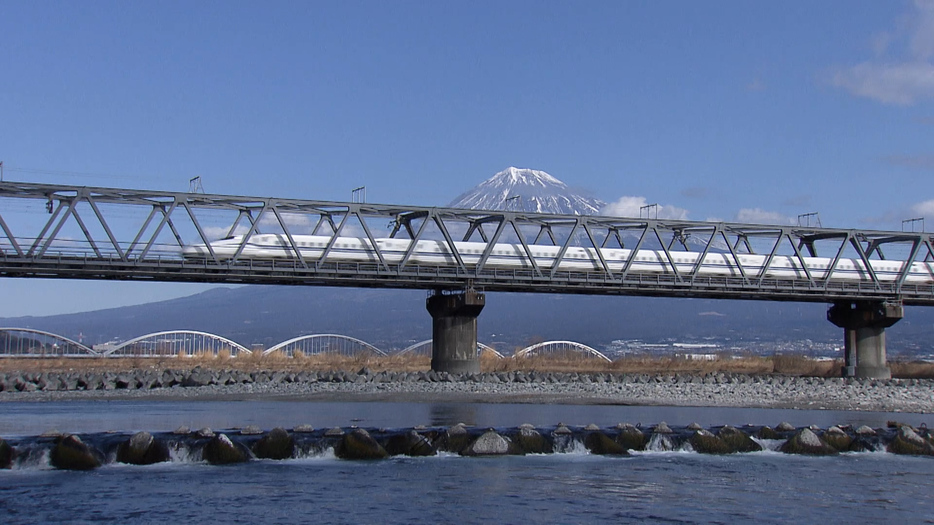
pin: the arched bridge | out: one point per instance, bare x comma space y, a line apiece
317, 344
425, 348
562, 349
27, 342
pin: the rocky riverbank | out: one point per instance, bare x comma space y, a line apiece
718, 389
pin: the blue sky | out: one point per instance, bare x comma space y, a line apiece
728, 110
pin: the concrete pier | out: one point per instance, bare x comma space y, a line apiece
454, 330
864, 325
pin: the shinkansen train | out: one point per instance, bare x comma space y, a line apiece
504, 255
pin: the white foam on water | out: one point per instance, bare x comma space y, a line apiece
769, 445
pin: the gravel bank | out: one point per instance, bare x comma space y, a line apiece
724, 390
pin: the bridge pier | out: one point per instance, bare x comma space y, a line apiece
864, 324
454, 330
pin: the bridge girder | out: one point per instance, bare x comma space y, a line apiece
83, 234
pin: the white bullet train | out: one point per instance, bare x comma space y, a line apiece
276, 246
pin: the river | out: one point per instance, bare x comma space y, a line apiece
679, 487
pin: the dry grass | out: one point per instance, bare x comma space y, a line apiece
912, 369
753, 365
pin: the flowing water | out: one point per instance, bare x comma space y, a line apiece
573, 487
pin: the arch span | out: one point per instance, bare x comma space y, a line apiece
27, 342
176, 343
325, 344
424, 348
556, 347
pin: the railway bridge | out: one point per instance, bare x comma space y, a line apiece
78, 232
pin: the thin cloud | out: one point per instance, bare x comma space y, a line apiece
902, 79
760, 216
924, 209
630, 206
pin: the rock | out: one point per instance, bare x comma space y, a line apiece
837, 438
6, 454
410, 443
488, 444
808, 443
142, 449
908, 442
591, 428
182, 431
303, 429
695, 426
785, 427
737, 440
562, 430
662, 428
220, 450
251, 430
865, 431
70, 453
767, 432
334, 432
530, 440
359, 444
52, 433
205, 432
631, 438
277, 444
454, 439
600, 443
705, 442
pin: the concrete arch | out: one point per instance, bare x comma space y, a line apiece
549, 347
41, 344
172, 343
424, 348
324, 344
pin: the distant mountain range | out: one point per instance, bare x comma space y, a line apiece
393, 319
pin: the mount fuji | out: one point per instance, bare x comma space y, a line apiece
519, 189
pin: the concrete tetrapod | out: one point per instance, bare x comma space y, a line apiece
6, 454
907, 441
806, 442
410, 443
837, 438
359, 444
142, 449
599, 443
704, 442
630, 437
530, 440
70, 453
277, 444
221, 451
490, 443
737, 440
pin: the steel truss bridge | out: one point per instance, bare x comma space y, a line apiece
77, 232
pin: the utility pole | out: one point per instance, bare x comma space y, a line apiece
1, 171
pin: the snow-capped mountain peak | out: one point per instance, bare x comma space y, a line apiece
521, 189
